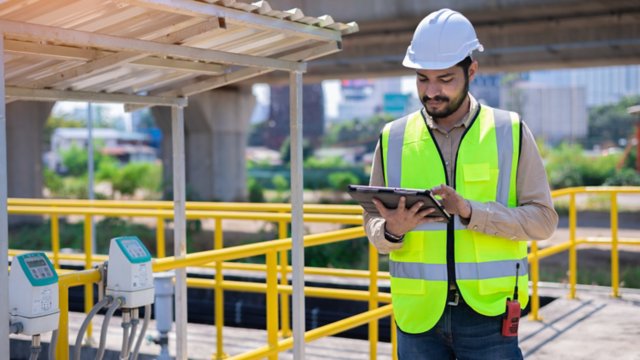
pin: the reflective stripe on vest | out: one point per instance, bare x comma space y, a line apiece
464, 271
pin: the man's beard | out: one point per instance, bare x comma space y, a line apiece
452, 107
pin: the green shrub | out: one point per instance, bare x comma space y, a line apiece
280, 183
624, 177
568, 166
138, 175
256, 192
52, 181
107, 168
340, 180
75, 161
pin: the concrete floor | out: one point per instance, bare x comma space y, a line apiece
594, 326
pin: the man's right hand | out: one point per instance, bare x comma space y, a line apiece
401, 220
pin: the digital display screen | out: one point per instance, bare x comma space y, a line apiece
38, 267
134, 249
36, 262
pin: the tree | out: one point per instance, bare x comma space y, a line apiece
285, 150
610, 123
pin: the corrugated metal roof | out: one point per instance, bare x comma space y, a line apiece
162, 48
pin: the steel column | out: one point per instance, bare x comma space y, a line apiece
4, 222
179, 229
297, 222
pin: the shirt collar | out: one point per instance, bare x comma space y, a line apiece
464, 121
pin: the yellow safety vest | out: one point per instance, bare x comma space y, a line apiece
485, 265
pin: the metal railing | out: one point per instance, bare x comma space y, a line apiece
218, 212
278, 339
573, 242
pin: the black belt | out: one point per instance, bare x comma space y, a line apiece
454, 298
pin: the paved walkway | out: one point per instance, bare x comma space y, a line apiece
594, 326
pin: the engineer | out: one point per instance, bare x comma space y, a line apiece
450, 283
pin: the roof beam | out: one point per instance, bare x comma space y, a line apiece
42, 32
194, 8
60, 52
243, 74
17, 93
114, 60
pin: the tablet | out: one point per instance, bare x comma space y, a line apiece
391, 196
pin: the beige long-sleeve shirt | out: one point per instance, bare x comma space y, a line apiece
533, 219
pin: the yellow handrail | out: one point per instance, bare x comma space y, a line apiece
574, 241
277, 291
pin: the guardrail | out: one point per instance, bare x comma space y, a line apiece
219, 258
573, 242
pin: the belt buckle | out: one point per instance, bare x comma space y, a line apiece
456, 299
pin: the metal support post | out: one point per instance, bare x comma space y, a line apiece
297, 229
573, 256
615, 262
4, 221
91, 171
179, 229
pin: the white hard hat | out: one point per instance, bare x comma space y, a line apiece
441, 40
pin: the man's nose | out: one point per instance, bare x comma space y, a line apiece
432, 90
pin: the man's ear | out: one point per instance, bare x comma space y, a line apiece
473, 69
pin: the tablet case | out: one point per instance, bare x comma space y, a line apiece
391, 196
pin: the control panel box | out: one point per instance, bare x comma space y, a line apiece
129, 274
33, 296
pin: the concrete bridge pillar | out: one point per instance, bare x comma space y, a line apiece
25, 131
216, 130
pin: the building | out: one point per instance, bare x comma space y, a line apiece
553, 113
603, 85
278, 129
124, 146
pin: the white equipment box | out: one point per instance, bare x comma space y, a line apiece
129, 274
33, 298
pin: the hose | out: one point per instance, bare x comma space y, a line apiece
105, 326
35, 347
134, 325
52, 345
126, 325
143, 330
77, 350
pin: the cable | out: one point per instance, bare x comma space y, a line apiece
99, 305
105, 326
126, 325
53, 344
35, 347
134, 325
143, 330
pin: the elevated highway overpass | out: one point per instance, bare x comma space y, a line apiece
517, 35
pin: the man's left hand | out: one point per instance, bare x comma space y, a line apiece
452, 201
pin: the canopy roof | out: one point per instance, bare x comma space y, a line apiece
119, 50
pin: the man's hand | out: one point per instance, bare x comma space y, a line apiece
452, 201
401, 220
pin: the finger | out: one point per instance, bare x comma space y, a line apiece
380, 207
426, 212
439, 190
402, 204
431, 220
416, 207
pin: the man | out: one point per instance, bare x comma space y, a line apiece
450, 282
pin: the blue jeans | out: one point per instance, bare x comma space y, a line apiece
462, 334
